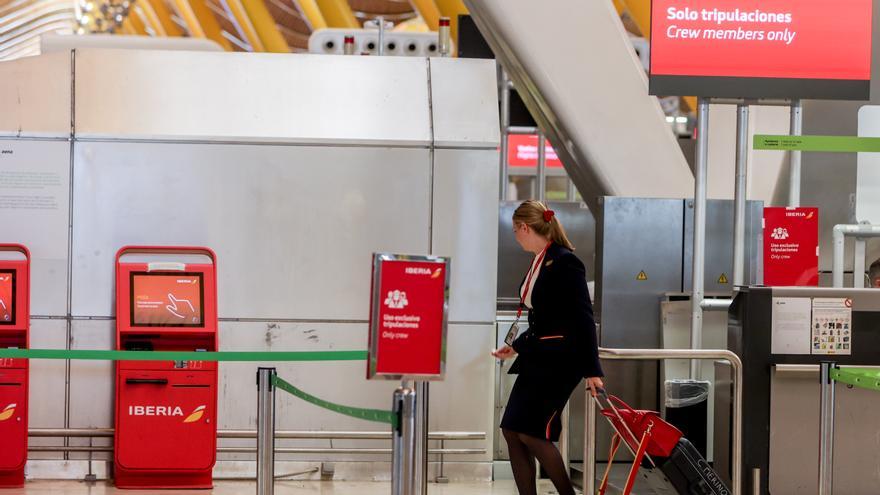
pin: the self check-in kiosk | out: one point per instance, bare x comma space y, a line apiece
14, 330
166, 411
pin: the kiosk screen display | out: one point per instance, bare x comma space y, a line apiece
167, 300
7, 297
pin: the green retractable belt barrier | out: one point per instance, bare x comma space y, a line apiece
183, 356
375, 415
858, 377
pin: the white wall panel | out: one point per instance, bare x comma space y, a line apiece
868, 172
294, 228
35, 96
48, 381
465, 228
92, 382
34, 211
464, 96
262, 97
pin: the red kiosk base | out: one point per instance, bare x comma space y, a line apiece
166, 411
14, 333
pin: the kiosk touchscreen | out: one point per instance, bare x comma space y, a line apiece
166, 428
14, 329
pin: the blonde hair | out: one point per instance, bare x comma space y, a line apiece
531, 213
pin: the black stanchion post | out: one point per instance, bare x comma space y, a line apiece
265, 431
826, 428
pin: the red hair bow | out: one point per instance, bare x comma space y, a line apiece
548, 214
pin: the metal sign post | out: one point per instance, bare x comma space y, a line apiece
826, 428
265, 431
403, 445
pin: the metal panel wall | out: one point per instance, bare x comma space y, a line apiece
464, 122
35, 96
291, 98
294, 227
35, 211
465, 205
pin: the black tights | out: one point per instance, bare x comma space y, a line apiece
523, 450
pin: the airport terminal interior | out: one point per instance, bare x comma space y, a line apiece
290, 246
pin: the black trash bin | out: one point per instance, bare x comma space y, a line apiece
687, 407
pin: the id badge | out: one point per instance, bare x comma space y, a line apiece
512, 333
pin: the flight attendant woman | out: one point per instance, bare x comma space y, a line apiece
554, 354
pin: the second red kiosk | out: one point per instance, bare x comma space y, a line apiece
14, 329
166, 411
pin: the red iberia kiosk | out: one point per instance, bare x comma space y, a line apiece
14, 330
166, 411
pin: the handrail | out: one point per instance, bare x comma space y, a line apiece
282, 434
589, 481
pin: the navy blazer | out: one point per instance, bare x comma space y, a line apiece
562, 333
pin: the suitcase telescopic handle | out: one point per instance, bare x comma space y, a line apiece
147, 381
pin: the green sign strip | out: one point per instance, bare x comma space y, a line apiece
96, 355
375, 415
858, 377
827, 144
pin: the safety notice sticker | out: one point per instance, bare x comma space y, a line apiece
832, 326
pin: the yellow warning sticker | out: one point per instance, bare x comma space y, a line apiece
642, 276
723, 279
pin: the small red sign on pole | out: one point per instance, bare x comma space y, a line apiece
408, 317
791, 247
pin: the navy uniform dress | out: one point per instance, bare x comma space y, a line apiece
557, 351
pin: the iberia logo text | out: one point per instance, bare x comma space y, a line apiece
7, 412
171, 411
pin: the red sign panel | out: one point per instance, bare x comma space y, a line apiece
166, 299
408, 317
816, 40
791, 247
7, 297
522, 151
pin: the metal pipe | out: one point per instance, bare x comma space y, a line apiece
589, 482
700, 187
265, 431
403, 444
826, 428
522, 130
279, 434
659, 354
381, 21
505, 128
421, 439
756, 481
841, 231
542, 167
253, 450
859, 263
796, 129
716, 304
740, 195
565, 418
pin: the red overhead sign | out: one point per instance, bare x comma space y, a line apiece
408, 317
791, 247
522, 151
827, 42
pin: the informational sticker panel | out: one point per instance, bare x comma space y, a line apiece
408, 317
832, 326
791, 325
761, 48
791, 247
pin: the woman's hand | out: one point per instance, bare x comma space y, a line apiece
595, 383
503, 353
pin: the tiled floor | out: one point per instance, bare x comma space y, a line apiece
281, 488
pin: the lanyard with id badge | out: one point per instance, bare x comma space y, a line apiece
514, 328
